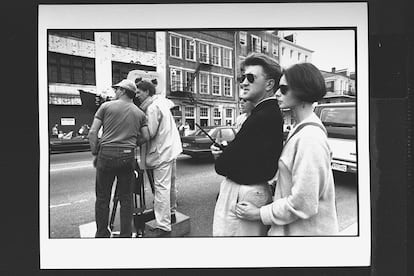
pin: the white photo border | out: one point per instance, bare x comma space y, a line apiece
208, 252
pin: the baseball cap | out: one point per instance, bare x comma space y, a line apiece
127, 84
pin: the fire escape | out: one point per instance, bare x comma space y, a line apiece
187, 94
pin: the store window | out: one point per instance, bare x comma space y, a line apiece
229, 116
217, 116
204, 116
189, 116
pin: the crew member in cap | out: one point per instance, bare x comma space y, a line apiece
124, 128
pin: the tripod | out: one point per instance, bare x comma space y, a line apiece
140, 213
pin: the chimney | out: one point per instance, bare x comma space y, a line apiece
333, 69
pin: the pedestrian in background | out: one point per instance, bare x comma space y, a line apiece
55, 131
250, 160
124, 127
304, 199
246, 107
160, 155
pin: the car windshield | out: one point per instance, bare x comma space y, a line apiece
338, 116
199, 132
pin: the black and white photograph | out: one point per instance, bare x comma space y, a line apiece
160, 128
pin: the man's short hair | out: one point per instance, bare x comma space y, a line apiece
306, 82
146, 86
129, 93
270, 66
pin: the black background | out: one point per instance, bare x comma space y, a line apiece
391, 63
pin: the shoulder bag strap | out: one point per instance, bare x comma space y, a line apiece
302, 126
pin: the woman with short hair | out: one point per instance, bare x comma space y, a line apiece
304, 198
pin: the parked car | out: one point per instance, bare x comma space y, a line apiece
198, 144
340, 122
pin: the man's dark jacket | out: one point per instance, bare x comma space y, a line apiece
252, 157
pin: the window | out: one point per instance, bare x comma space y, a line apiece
203, 52
189, 116
189, 81
216, 55
64, 100
275, 49
203, 83
283, 51
229, 117
217, 116
70, 69
189, 49
330, 86
243, 38
176, 82
227, 86
144, 41
204, 116
265, 46
216, 85
80, 34
227, 62
306, 58
298, 56
120, 70
175, 46
256, 44
291, 53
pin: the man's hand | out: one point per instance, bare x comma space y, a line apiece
216, 151
248, 211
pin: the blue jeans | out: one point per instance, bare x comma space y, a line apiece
114, 162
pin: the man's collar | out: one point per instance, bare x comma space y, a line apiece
273, 97
144, 105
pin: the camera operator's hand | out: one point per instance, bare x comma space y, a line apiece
216, 151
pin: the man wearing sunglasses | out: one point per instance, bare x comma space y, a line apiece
251, 159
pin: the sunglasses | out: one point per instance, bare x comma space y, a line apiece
283, 89
250, 78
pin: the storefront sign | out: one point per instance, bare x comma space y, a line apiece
67, 121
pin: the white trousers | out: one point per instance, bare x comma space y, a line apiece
165, 198
225, 221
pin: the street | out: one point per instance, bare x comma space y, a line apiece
72, 194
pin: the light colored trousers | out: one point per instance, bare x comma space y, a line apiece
225, 221
165, 198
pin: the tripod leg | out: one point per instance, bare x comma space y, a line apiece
115, 201
150, 174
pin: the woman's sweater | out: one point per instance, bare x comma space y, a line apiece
304, 199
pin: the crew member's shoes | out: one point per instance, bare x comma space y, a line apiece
157, 233
173, 219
